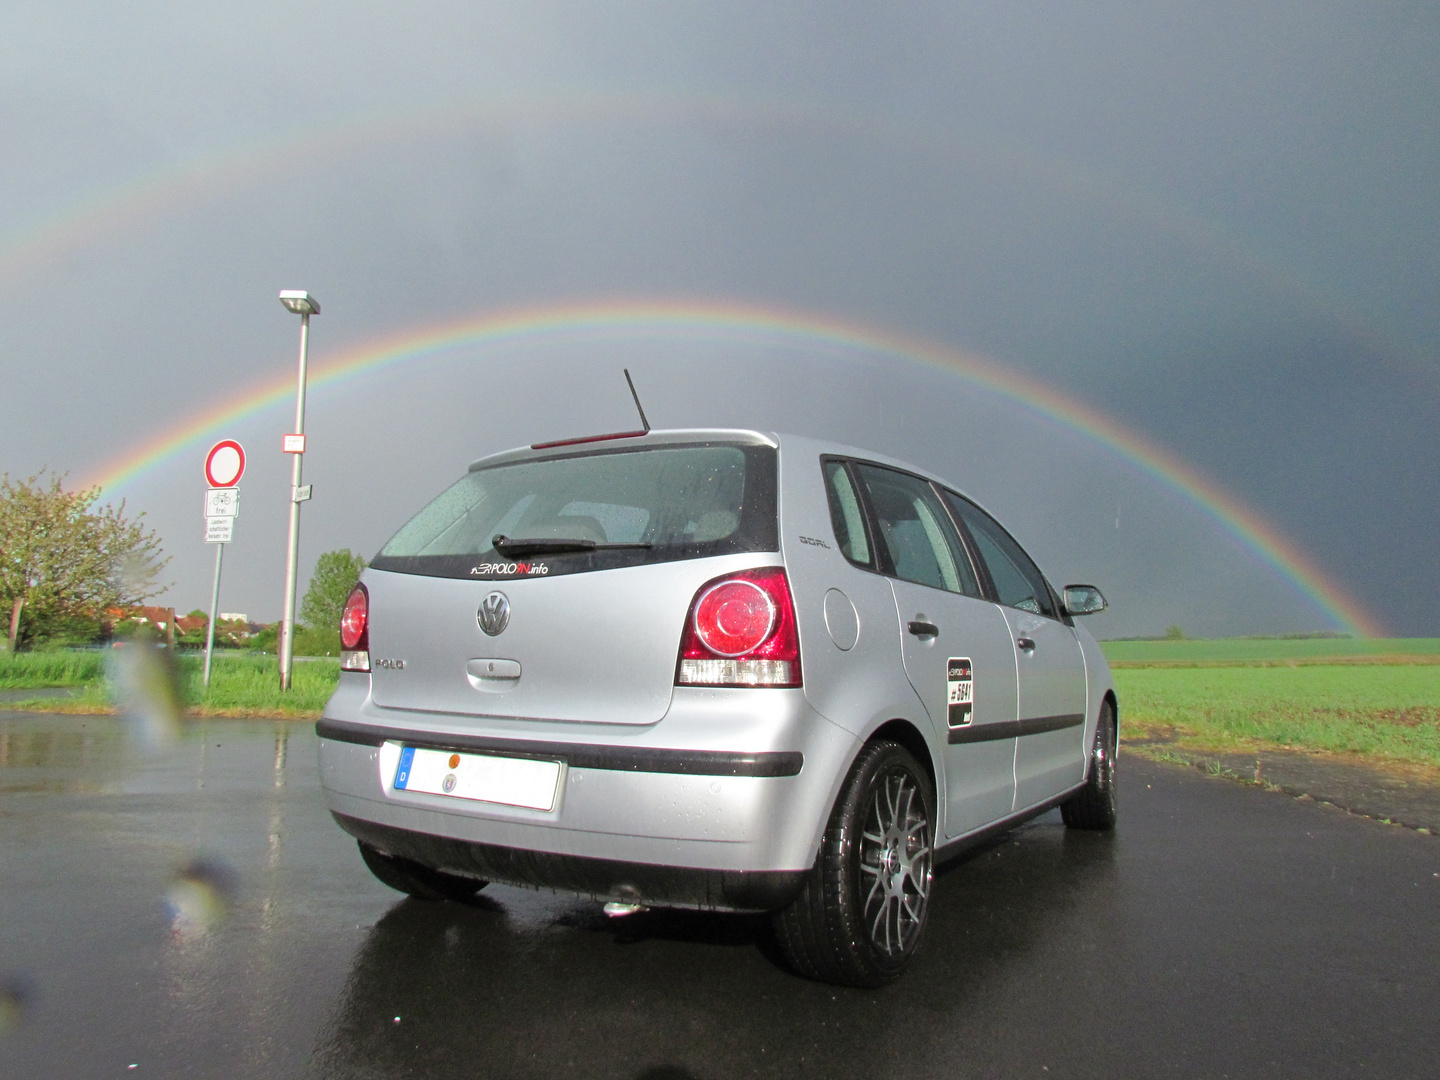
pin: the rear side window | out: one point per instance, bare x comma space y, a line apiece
1018, 581
916, 532
846, 516
625, 508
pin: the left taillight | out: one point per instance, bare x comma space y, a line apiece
740, 631
355, 631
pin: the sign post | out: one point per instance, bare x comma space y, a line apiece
224, 466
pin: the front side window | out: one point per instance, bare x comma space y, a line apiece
593, 511
915, 531
1018, 581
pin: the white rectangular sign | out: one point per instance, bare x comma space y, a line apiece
218, 530
292, 444
222, 502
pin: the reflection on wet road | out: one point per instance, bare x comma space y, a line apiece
193, 912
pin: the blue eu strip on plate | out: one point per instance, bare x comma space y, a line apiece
402, 774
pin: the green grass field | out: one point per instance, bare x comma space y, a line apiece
1388, 711
1377, 698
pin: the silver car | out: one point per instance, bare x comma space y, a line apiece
726, 670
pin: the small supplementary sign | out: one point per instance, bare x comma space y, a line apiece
302, 493
222, 502
219, 530
292, 444
225, 464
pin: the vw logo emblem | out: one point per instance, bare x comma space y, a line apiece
494, 613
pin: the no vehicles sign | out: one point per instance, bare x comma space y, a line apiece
225, 464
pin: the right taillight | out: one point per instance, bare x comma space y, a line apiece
741, 632
355, 631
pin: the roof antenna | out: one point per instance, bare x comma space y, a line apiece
603, 438
636, 396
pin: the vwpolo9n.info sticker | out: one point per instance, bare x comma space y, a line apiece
960, 691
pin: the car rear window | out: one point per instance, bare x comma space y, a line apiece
667, 502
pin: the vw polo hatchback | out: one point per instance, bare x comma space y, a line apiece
724, 670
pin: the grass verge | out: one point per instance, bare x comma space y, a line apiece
239, 685
25, 670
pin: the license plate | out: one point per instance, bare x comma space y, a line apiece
503, 780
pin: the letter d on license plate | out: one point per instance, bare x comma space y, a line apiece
507, 781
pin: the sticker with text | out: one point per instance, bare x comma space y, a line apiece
500, 569
960, 691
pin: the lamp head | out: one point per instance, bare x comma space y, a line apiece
300, 302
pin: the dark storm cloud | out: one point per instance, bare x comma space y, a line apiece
1215, 224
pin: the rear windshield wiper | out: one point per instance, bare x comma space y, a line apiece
506, 545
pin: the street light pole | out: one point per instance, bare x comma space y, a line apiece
304, 305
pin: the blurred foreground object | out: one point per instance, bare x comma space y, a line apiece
17, 996
147, 692
200, 895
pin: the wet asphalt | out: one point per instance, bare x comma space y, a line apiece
1223, 930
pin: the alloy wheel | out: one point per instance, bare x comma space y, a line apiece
895, 863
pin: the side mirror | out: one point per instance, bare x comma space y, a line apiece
1083, 600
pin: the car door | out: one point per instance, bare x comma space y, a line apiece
956, 645
1050, 753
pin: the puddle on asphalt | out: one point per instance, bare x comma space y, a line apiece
61, 753
35, 749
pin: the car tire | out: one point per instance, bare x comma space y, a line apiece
1094, 806
860, 917
422, 882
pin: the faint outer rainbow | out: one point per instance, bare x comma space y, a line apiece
207, 176
757, 323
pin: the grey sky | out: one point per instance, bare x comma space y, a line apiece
1216, 224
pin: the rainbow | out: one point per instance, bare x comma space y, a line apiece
736, 321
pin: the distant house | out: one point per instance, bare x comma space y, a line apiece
161, 618
191, 625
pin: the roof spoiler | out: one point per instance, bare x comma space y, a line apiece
612, 435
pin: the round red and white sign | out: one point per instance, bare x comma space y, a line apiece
225, 464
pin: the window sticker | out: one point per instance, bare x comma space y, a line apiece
960, 687
500, 569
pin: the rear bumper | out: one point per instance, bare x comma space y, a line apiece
600, 879
719, 805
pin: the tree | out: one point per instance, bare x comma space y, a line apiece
63, 563
335, 575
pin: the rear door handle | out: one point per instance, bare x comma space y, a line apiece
923, 629
1028, 644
